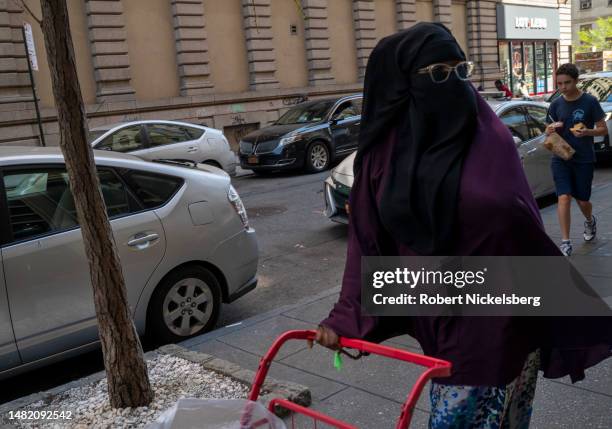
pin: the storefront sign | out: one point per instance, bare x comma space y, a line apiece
527, 22
533, 23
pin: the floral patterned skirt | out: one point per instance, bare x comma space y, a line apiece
484, 407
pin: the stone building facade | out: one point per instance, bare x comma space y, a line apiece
586, 12
235, 64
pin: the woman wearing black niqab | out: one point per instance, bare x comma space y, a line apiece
437, 173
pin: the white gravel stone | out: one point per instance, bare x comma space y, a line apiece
171, 377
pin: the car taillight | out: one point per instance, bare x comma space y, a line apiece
236, 202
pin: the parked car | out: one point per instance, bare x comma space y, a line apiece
151, 140
600, 86
309, 136
526, 120
182, 234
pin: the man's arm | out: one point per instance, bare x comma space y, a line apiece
600, 130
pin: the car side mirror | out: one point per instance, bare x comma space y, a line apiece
517, 141
333, 121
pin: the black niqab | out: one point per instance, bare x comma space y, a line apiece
435, 124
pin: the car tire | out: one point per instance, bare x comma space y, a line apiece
186, 303
318, 157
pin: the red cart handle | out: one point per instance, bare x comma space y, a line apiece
435, 367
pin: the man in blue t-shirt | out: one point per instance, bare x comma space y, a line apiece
577, 117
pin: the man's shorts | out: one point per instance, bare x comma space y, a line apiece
573, 178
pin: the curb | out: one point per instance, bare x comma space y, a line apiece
271, 388
46, 395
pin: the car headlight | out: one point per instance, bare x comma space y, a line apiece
290, 139
236, 202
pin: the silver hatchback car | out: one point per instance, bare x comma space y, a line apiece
152, 140
526, 121
181, 231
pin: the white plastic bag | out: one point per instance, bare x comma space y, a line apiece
191, 413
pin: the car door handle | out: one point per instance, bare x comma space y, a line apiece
192, 149
142, 241
532, 150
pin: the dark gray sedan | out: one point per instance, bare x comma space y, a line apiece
309, 136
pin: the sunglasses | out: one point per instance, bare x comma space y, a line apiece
439, 73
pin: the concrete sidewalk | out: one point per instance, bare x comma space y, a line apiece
368, 393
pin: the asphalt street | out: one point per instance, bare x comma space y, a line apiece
302, 254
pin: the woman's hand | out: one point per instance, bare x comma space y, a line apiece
550, 129
326, 337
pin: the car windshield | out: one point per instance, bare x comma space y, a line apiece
93, 135
598, 87
308, 112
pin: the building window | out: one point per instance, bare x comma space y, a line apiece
586, 4
586, 27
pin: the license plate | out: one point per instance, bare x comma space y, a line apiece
253, 160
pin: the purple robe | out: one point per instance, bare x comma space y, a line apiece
496, 216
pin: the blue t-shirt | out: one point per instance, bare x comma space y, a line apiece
585, 109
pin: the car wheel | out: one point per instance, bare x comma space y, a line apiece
317, 157
186, 303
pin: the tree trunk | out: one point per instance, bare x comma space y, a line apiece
126, 370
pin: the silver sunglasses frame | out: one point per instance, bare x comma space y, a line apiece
429, 70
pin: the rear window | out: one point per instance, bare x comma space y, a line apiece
194, 133
598, 87
153, 190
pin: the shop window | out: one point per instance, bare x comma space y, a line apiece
533, 62
528, 66
505, 64
517, 66
551, 65
540, 67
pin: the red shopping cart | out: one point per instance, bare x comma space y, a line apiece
434, 368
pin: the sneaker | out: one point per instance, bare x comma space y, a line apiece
566, 248
590, 229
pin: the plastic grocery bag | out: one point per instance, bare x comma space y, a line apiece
557, 145
191, 413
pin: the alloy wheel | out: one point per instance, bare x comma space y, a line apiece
319, 157
188, 306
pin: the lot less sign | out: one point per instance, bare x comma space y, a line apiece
533, 23
518, 22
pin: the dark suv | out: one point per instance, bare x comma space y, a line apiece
309, 136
